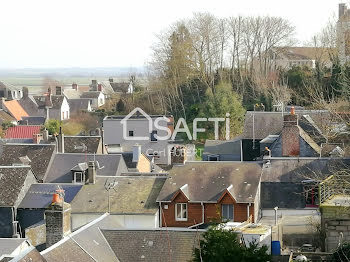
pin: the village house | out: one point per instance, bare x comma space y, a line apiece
96, 98
13, 108
79, 105
10, 92
199, 193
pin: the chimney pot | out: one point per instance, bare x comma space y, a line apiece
292, 110
56, 198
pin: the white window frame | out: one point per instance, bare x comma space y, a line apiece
181, 205
233, 212
82, 178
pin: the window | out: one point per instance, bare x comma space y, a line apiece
131, 133
78, 177
181, 212
62, 115
153, 137
213, 158
227, 212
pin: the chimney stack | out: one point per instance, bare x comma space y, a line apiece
75, 86
25, 92
37, 138
45, 135
99, 87
58, 90
136, 153
92, 172
342, 10
58, 219
290, 135
60, 141
111, 79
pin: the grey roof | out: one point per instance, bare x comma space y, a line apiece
56, 101
40, 195
8, 245
30, 106
71, 93
60, 170
206, 181
153, 245
12, 181
29, 255
107, 88
90, 94
9, 86
4, 116
82, 144
78, 105
132, 195
271, 123
120, 87
34, 120
40, 156
301, 169
67, 251
222, 147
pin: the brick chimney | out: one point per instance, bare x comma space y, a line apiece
75, 86
290, 135
58, 219
91, 172
99, 87
37, 138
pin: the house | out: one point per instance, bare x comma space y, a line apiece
121, 87
10, 92
97, 98
14, 183
103, 87
203, 192
222, 150
130, 199
79, 105
38, 156
14, 108
121, 133
32, 208
153, 245
11, 247
23, 132
73, 168
292, 183
48, 105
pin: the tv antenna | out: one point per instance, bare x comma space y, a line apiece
109, 185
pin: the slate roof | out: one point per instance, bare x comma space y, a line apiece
206, 181
271, 123
40, 195
12, 180
71, 93
34, 120
107, 88
22, 131
78, 105
90, 94
5, 116
222, 147
8, 245
9, 86
68, 251
81, 144
120, 87
153, 245
300, 169
56, 101
15, 109
132, 195
40, 156
60, 169
30, 255
30, 106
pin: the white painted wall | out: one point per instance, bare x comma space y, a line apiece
65, 109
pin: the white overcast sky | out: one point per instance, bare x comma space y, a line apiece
108, 33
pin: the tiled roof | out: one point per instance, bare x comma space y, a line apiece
22, 131
12, 180
206, 181
132, 195
81, 144
5, 116
153, 245
15, 109
39, 156
40, 195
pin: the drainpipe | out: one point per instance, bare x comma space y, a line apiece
202, 212
248, 211
160, 214
275, 208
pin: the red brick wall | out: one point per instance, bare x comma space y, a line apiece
212, 212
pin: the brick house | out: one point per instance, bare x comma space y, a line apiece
202, 192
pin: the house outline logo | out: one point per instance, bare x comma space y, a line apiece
125, 120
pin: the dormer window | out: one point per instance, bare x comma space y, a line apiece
78, 177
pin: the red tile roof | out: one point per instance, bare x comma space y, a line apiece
22, 131
15, 109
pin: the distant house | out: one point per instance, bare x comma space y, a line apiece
10, 92
79, 105
203, 192
103, 87
221, 150
49, 106
14, 108
122, 87
14, 183
132, 200
96, 98
5, 117
73, 168
38, 156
